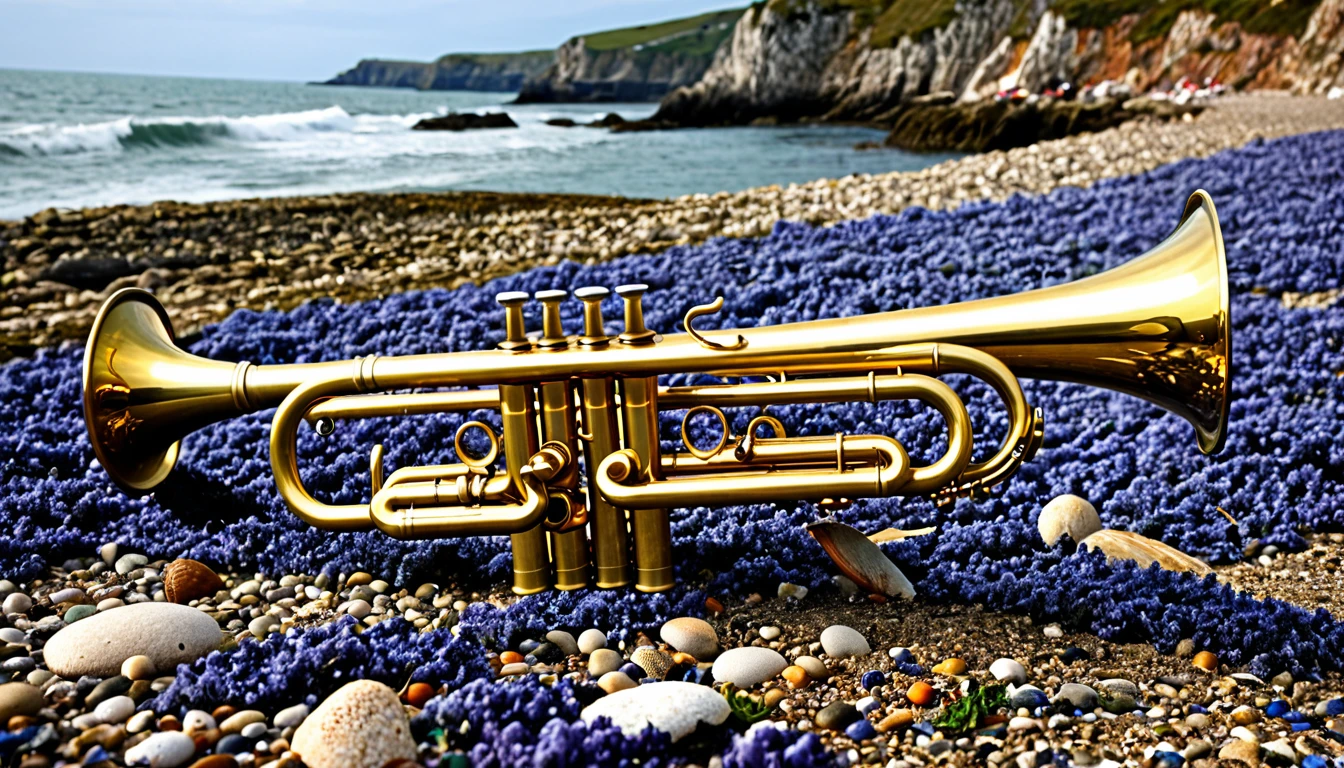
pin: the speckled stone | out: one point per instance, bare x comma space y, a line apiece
362, 725
672, 707
167, 633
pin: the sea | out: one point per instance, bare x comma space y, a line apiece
73, 140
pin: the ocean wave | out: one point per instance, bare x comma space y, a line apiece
130, 133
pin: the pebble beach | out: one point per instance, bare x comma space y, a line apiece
203, 625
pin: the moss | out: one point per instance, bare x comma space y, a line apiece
694, 35
912, 18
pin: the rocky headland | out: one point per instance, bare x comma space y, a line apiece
206, 260
453, 72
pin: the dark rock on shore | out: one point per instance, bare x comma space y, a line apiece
453, 72
938, 125
561, 122
465, 122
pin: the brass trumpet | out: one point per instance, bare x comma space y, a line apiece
579, 414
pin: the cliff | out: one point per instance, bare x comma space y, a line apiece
864, 60
453, 72
633, 64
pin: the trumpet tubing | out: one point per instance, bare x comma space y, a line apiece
577, 477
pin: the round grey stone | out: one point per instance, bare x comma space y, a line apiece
841, 642
1078, 695
745, 667
128, 563
290, 717
1009, 671
837, 715
169, 634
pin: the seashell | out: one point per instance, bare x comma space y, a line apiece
1068, 514
895, 534
1124, 545
652, 661
186, 580
861, 560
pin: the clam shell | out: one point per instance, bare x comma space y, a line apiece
1124, 545
861, 560
186, 580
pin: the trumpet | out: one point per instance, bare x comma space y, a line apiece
576, 475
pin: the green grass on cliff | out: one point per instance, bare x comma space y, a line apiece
893, 19
1284, 17
694, 36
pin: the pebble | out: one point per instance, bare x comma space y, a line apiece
950, 667
564, 641
836, 715
612, 682
197, 720
127, 563
797, 677
694, 636
261, 625
1243, 751
770, 633
115, 710
1027, 697
795, 591
140, 721
1008, 671
291, 717
19, 699
138, 667
1020, 723
79, 613
1206, 660
361, 725
518, 668
167, 633
602, 661
1069, 514
1078, 695
240, 720
814, 667
108, 552
841, 642
871, 679
748, 666
592, 639
1118, 695
1053, 632
897, 720
1245, 715
921, 694
861, 730
675, 708
17, 603
163, 750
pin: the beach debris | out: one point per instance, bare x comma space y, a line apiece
1125, 545
861, 560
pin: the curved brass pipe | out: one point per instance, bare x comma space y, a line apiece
435, 508
618, 477
872, 388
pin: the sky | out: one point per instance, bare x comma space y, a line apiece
297, 40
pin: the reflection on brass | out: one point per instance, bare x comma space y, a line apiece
577, 478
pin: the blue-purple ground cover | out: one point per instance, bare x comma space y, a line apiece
1281, 204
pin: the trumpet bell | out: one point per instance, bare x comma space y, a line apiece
142, 394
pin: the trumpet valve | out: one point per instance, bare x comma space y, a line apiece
635, 332
552, 330
594, 335
515, 332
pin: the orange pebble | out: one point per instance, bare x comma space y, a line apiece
1206, 660
879, 599
418, 694
169, 723
921, 694
797, 677
683, 658
950, 667
510, 657
713, 606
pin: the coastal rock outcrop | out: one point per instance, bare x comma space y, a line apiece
818, 59
454, 72
465, 121
634, 64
